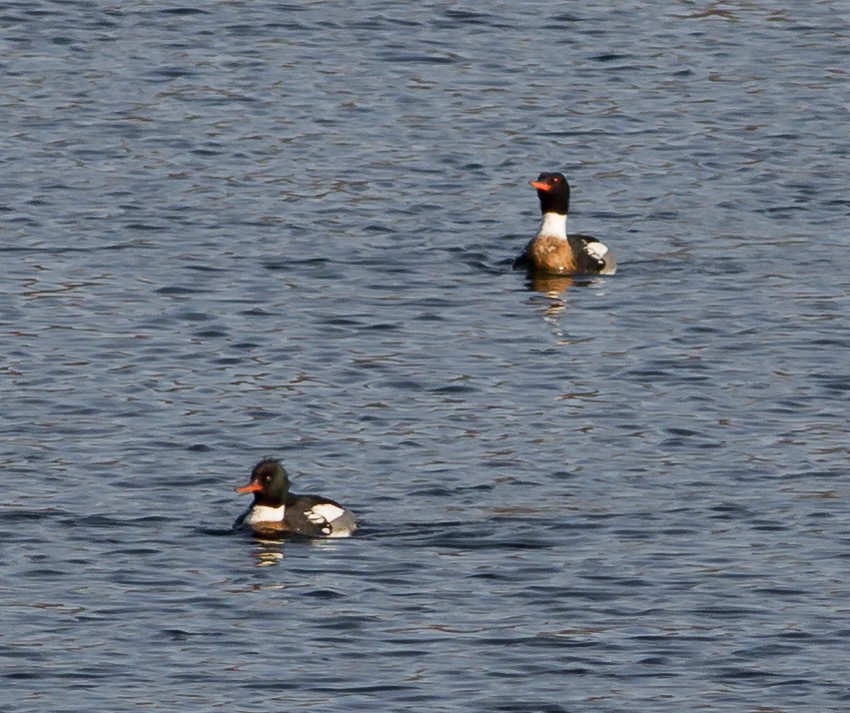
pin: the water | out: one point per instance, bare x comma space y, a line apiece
245, 229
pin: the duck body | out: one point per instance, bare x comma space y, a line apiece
552, 251
278, 512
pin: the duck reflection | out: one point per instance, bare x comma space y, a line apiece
550, 285
268, 553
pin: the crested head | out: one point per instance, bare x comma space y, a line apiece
267, 468
553, 191
269, 483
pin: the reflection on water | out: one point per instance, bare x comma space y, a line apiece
550, 285
268, 553
271, 551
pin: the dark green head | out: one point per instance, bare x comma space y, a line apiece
269, 483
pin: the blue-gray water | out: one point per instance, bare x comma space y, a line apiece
238, 229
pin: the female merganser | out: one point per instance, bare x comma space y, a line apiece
554, 252
276, 511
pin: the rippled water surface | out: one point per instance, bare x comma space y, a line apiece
238, 229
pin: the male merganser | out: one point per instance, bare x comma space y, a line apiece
276, 511
554, 252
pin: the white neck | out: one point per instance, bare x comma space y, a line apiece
554, 224
265, 513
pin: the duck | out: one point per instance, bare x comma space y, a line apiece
552, 251
277, 511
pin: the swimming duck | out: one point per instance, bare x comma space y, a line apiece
554, 252
277, 511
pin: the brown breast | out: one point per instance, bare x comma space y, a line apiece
552, 255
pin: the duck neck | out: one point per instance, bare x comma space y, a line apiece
265, 513
554, 225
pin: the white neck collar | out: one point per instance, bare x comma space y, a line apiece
265, 513
554, 225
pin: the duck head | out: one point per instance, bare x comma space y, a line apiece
553, 191
269, 483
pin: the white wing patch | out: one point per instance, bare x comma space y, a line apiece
264, 513
597, 250
324, 512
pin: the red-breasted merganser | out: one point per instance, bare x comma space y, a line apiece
276, 511
554, 252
